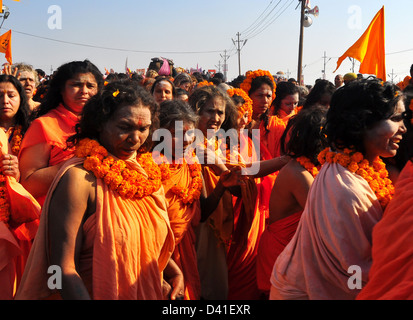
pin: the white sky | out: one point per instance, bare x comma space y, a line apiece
198, 32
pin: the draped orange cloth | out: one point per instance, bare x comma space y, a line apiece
270, 148
183, 219
127, 244
273, 241
53, 128
249, 223
15, 238
391, 274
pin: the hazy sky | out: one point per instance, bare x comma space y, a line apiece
48, 33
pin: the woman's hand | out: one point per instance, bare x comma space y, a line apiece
10, 166
174, 286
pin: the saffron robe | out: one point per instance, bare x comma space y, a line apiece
391, 274
333, 234
249, 224
53, 128
15, 240
273, 241
127, 244
184, 218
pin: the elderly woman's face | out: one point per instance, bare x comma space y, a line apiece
78, 90
9, 101
126, 131
212, 116
384, 138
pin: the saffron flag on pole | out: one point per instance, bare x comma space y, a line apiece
369, 49
5, 45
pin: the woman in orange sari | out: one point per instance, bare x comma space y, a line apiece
19, 211
44, 149
184, 190
105, 222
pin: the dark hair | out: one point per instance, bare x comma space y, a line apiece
284, 89
321, 87
175, 110
64, 73
23, 113
101, 107
303, 136
357, 107
160, 79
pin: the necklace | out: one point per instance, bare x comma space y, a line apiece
375, 173
129, 183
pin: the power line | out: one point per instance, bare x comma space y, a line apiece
115, 49
263, 20
257, 18
272, 21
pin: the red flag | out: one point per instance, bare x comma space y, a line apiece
369, 49
5, 45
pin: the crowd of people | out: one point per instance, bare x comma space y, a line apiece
172, 185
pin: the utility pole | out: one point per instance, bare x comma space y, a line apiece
225, 57
325, 63
238, 45
300, 46
391, 75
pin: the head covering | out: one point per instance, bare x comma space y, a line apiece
350, 76
165, 70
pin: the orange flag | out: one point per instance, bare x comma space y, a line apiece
369, 49
5, 45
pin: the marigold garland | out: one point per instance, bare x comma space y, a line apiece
250, 75
4, 200
187, 194
246, 107
204, 83
130, 184
375, 173
308, 165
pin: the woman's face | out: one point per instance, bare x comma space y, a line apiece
384, 138
163, 91
212, 115
78, 90
182, 136
126, 131
289, 103
9, 101
261, 99
242, 121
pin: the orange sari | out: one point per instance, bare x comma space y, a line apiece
127, 244
53, 128
17, 233
184, 218
391, 274
249, 224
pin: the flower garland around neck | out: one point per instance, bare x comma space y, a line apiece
246, 107
375, 173
308, 165
129, 183
250, 75
187, 194
4, 199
